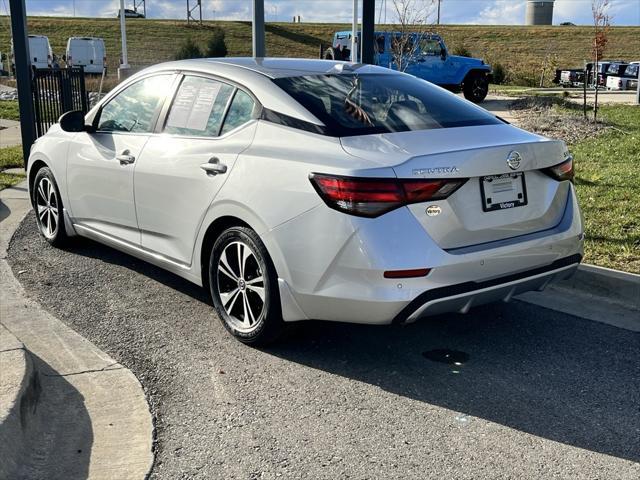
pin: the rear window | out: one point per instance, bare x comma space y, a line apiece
381, 103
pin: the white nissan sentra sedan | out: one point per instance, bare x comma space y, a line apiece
311, 189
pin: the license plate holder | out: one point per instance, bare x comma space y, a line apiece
503, 192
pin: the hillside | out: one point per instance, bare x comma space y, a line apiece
522, 50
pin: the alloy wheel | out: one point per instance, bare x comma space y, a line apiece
47, 208
478, 87
241, 286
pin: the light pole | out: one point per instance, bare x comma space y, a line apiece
23, 75
124, 66
439, 1
258, 29
354, 33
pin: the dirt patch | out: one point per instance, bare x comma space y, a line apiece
555, 118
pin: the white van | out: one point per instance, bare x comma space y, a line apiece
88, 52
40, 51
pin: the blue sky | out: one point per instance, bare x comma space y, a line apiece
624, 12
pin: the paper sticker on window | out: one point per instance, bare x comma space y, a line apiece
193, 104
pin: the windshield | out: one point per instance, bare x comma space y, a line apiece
381, 103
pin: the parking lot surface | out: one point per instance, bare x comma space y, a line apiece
534, 393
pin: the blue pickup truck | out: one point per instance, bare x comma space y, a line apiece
426, 56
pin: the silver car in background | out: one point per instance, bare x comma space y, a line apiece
309, 189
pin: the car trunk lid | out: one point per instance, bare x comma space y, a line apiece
480, 211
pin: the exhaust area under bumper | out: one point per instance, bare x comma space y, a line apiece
460, 298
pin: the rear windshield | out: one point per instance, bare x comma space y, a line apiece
351, 104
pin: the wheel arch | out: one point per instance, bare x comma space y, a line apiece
34, 168
474, 71
211, 234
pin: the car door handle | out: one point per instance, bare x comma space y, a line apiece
214, 167
125, 158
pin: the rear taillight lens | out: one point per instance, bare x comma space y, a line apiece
562, 171
371, 197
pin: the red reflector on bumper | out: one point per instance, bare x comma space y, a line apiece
417, 272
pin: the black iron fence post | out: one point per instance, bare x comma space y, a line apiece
23, 75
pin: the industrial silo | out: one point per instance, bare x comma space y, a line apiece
539, 12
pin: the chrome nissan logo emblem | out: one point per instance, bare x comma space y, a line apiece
514, 159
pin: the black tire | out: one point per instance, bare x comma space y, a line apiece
243, 321
331, 54
476, 87
48, 207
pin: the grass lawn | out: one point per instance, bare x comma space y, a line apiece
9, 158
608, 186
9, 110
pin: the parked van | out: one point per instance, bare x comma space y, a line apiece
627, 80
88, 52
40, 51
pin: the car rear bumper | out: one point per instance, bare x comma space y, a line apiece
336, 272
460, 298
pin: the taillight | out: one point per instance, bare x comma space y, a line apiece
562, 171
371, 197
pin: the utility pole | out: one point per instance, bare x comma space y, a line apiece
190, 10
258, 29
354, 33
137, 3
23, 75
123, 71
368, 27
438, 22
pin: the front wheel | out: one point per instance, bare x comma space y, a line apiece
244, 287
476, 87
48, 207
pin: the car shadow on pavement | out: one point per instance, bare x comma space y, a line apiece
544, 373
89, 248
61, 436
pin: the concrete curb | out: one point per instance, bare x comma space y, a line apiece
88, 416
596, 293
615, 285
19, 392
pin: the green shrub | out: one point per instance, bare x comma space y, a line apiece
462, 51
188, 49
499, 74
216, 46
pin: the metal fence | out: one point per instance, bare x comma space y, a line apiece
57, 91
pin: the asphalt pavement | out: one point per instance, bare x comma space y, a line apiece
519, 392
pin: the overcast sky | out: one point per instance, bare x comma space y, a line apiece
509, 12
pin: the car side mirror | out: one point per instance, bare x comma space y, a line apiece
443, 54
73, 121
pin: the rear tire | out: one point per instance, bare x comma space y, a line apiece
476, 87
244, 287
331, 54
47, 204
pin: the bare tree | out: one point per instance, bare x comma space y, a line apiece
415, 19
601, 25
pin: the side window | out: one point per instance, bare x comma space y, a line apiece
134, 109
198, 107
239, 112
